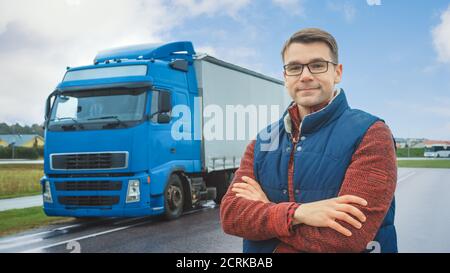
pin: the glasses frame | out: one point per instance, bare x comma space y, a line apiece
307, 65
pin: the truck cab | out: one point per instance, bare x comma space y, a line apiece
107, 150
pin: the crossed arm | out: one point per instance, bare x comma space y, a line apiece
342, 224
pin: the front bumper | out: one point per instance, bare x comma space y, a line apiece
89, 205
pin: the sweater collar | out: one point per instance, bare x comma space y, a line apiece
321, 114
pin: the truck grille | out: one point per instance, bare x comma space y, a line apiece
89, 186
78, 175
89, 161
88, 200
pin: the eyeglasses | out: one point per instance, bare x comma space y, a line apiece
316, 67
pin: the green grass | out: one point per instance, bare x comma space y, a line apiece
16, 220
423, 163
18, 180
413, 152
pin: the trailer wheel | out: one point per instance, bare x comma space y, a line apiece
173, 198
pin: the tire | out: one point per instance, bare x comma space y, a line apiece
173, 198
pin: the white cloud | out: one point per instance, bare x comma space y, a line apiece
347, 9
240, 55
63, 21
374, 2
431, 68
206, 49
292, 6
38, 39
441, 40
208, 7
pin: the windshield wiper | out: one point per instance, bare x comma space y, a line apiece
119, 122
66, 126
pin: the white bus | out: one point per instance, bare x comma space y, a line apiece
437, 150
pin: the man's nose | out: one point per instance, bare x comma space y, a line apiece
306, 75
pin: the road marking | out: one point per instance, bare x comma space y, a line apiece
7, 241
17, 244
406, 176
79, 238
60, 229
100, 233
16, 241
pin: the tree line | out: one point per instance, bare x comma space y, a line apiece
21, 152
15, 129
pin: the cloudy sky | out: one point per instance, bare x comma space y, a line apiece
396, 53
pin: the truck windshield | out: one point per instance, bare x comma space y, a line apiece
113, 107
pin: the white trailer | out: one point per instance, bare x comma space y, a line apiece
244, 101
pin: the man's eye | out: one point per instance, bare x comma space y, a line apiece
317, 65
295, 67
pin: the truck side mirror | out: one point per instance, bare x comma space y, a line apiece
164, 103
48, 106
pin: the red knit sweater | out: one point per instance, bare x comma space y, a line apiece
372, 175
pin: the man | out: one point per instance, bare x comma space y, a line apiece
328, 186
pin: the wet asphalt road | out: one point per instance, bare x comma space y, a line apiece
195, 231
422, 221
423, 210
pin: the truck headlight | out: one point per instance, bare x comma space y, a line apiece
133, 193
47, 192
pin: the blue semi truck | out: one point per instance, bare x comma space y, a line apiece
110, 148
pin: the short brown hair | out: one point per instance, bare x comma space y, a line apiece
311, 35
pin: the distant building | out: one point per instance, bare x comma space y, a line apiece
400, 142
436, 142
22, 140
410, 142
418, 145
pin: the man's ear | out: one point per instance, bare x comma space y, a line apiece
338, 74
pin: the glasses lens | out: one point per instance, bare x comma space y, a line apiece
293, 69
318, 67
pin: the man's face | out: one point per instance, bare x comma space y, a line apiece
308, 89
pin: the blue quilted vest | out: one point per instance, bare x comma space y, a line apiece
328, 140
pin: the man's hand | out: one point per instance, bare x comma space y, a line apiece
250, 190
325, 213
318, 214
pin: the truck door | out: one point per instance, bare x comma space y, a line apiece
184, 145
163, 147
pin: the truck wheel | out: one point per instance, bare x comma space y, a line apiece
173, 198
